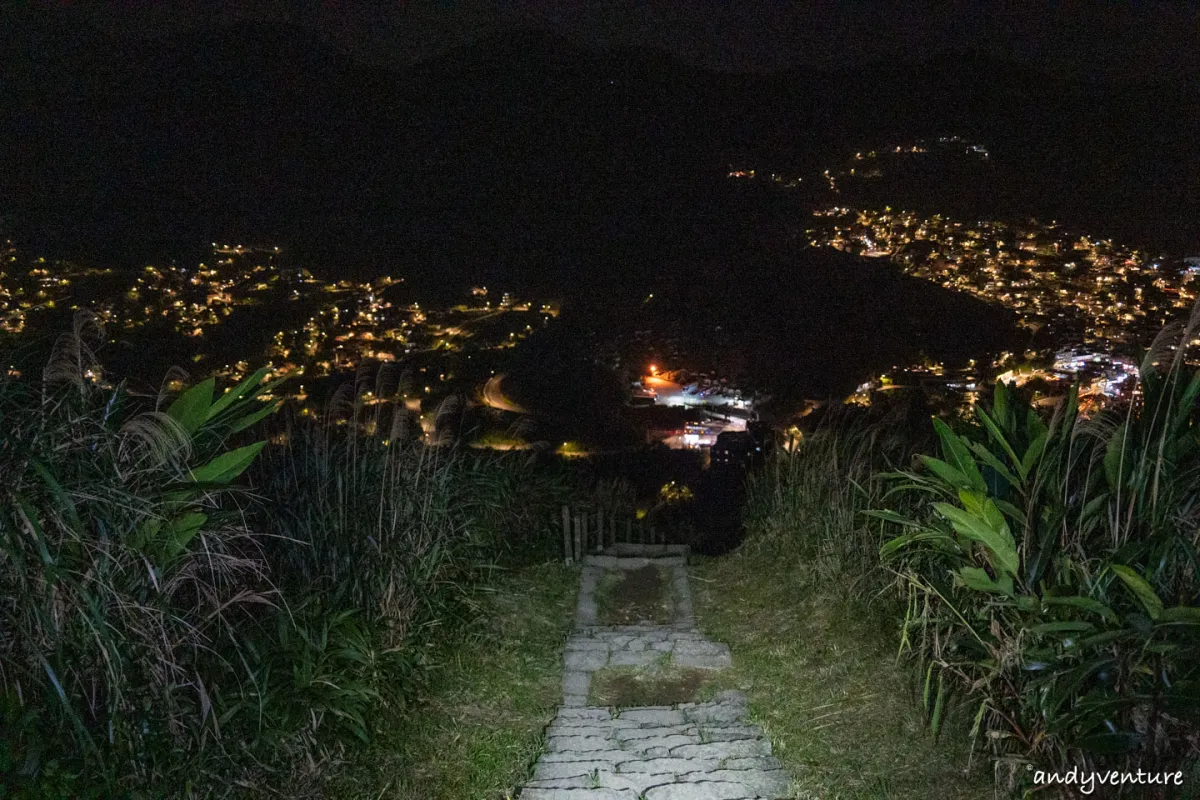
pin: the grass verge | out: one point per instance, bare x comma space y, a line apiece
493, 692
823, 683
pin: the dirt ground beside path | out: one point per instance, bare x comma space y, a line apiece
633, 595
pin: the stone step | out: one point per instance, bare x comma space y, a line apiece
634, 562
648, 550
691, 751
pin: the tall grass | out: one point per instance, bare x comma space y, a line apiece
1047, 566
1052, 575
808, 503
125, 570
167, 630
380, 549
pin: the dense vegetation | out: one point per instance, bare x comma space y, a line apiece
200, 595
169, 630
1041, 573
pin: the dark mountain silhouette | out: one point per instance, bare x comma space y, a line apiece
523, 159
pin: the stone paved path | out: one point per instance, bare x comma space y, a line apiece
693, 751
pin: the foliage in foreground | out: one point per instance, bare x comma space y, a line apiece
166, 633
1052, 577
812, 620
1046, 567
125, 574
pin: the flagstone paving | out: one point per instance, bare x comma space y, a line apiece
691, 751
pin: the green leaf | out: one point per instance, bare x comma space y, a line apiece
1085, 603
1092, 507
1010, 510
227, 466
1000, 403
989, 458
180, 531
1027, 602
997, 435
928, 535
935, 722
947, 473
1188, 614
1141, 589
145, 533
252, 419
227, 399
972, 501
1063, 627
958, 455
1035, 427
63, 501
891, 516
991, 531
983, 707
1039, 557
1105, 637
978, 579
1033, 453
1115, 456
190, 409
928, 684
31, 519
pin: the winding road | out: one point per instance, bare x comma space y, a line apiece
493, 396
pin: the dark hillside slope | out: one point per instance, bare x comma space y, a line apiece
524, 159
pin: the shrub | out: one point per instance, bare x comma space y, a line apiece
165, 633
1052, 575
124, 570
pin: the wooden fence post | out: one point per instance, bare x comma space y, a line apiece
579, 528
599, 528
566, 526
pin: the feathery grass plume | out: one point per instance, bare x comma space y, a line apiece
73, 358
165, 632
151, 440
124, 583
1163, 349
175, 375
387, 380
522, 428
340, 406
448, 419
406, 384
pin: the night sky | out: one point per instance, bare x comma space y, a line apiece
511, 132
1143, 41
